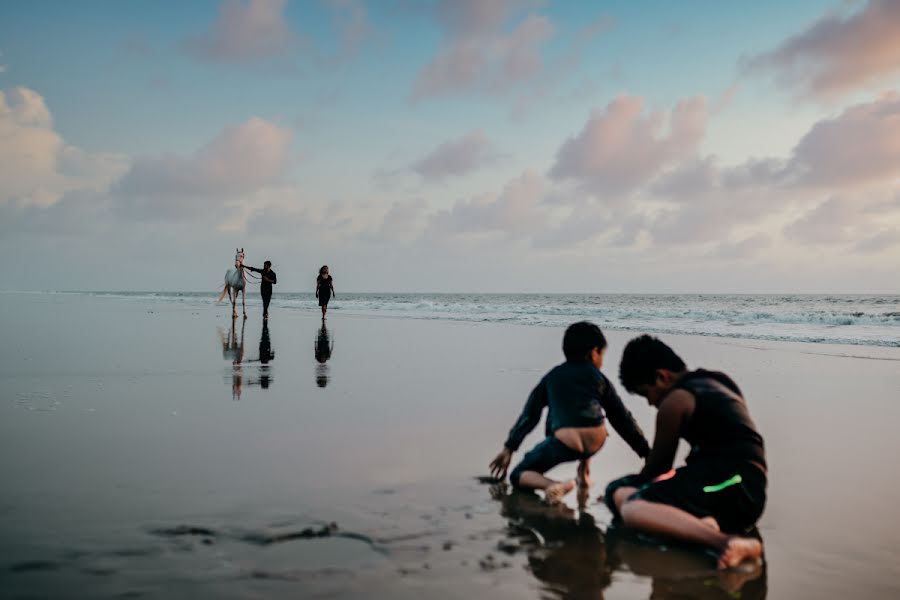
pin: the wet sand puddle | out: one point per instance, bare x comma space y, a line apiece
400, 548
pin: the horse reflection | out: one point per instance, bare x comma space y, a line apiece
573, 558
233, 350
323, 348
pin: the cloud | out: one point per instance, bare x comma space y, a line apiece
352, 26
36, 165
838, 54
403, 222
243, 159
456, 157
478, 53
585, 221
845, 219
884, 240
746, 248
858, 146
516, 212
621, 148
245, 31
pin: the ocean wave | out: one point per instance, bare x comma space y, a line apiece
861, 320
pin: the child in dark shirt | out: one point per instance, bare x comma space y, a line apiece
721, 490
576, 395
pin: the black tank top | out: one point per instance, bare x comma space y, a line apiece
720, 427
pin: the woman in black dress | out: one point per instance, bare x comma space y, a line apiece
324, 288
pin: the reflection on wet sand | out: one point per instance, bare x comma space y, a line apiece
573, 558
233, 350
266, 355
323, 348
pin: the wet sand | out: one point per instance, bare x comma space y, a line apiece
146, 450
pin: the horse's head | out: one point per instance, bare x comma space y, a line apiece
238, 257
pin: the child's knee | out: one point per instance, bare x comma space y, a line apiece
609, 496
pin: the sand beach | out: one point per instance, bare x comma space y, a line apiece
149, 450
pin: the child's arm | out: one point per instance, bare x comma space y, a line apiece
529, 418
623, 421
674, 411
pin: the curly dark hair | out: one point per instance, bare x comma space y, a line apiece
642, 357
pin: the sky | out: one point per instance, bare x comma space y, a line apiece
452, 145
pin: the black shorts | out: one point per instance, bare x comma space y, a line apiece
733, 493
545, 456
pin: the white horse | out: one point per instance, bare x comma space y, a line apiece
235, 280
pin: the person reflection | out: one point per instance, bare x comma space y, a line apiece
266, 355
565, 550
233, 350
681, 572
574, 558
323, 348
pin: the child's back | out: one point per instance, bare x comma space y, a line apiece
578, 398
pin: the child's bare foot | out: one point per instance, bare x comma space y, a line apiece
732, 580
554, 493
711, 521
739, 549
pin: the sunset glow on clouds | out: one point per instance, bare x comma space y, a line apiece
453, 145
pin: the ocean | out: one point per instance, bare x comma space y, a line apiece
865, 320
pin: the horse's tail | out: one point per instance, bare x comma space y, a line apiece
222, 295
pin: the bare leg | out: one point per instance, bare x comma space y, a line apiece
553, 490
584, 473
669, 521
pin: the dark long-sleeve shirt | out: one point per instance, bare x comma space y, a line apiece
577, 394
268, 280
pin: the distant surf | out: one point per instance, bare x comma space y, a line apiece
868, 320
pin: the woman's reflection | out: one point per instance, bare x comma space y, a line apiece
233, 350
324, 346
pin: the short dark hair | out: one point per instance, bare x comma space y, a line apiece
580, 338
268, 263
642, 357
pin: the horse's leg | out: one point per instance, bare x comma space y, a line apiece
244, 301
233, 301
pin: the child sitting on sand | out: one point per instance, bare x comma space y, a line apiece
722, 488
576, 395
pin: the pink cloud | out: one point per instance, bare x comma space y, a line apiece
479, 54
457, 157
621, 147
36, 165
516, 211
839, 54
245, 31
861, 145
241, 160
844, 219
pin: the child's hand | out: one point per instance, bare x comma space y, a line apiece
500, 464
